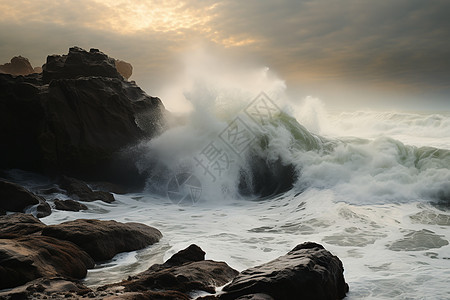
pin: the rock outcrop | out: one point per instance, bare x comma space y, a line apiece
15, 198
306, 272
18, 66
102, 240
75, 119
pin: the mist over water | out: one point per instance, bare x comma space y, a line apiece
372, 187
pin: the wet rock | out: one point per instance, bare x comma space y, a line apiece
125, 69
18, 66
80, 190
104, 239
30, 257
76, 119
266, 178
16, 198
190, 254
43, 209
69, 205
18, 225
41, 288
307, 272
183, 273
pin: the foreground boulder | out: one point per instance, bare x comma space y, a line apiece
102, 240
184, 272
307, 272
19, 225
41, 288
75, 118
30, 257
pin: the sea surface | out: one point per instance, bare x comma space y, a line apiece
373, 187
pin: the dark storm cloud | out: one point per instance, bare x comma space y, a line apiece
377, 40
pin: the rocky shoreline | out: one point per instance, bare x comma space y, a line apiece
70, 123
40, 262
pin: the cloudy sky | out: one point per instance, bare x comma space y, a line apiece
352, 53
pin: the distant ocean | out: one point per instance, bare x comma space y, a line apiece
372, 187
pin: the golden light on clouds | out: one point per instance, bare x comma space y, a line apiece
127, 16
179, 19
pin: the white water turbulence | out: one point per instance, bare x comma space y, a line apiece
372, 187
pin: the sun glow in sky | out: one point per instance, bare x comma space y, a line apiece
355, 52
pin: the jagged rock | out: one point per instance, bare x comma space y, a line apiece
75, 119
18, 225
80, 190
125, 69
69, 205
79, 63
190, 254
30, 257
18, 66
307, 272
104, 239
184, 272
16, 198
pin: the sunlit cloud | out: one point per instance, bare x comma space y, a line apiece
401, 45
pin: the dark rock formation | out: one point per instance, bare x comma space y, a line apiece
307, 272
69, 205
104, 239
18, 66
76, 119
28, 252
43, 209
125, 69
81, 191
15, 198
186, 271
18, 225
266, 178
79, 63
190, 254
30, 257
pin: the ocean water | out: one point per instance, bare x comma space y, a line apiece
373, 187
